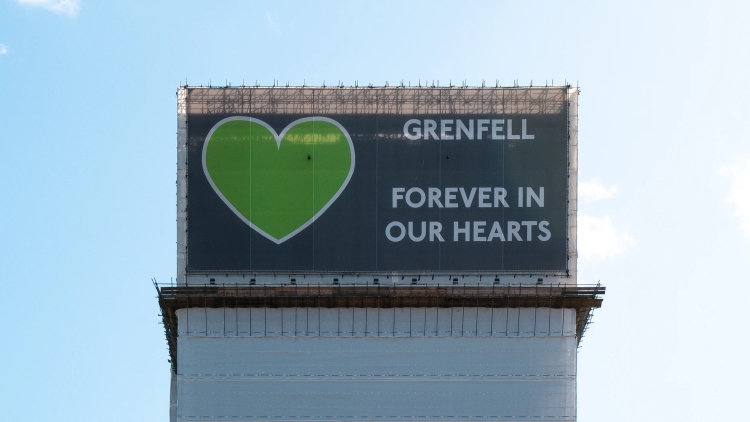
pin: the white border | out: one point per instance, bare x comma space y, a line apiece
278, 138
182, 166
572, 99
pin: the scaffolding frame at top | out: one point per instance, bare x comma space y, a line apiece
376, 100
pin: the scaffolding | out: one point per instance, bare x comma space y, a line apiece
363, 100
376, 100
583, 298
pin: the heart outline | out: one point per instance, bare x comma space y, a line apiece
278, 138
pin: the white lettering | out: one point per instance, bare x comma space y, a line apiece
398, 193
457, 129
478, 230
496, 232
445, 127
450, 197
510, 130
497, 128
500, 197
435, 229
543, 227
523, 130
468, 200
411, 203
469, 132
513, 228
484, 195
429, 128
538, 199
454, 197
420, 237
417, 130
529, 225
466, 230
434, 197
400, 227
482, 127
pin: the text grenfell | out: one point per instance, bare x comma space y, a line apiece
458, 129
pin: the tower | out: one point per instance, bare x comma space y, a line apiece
384, 253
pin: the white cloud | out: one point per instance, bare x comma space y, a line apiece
275, 24
739, 191
3, 49
599, 239
595, 190
61, 7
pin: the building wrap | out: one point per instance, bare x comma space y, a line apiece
376, 254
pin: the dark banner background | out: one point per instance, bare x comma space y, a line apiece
350, 235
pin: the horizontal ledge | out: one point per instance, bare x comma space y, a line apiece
381, 297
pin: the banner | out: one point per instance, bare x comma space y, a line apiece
377, 192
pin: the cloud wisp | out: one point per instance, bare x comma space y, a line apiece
275, 24
3, 49
598, 237
595, 190
739, 191
61, 7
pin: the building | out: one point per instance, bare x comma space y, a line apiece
388, 253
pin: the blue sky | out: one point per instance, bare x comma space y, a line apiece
87, 176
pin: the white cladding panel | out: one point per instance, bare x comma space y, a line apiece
385, 400
233, 376
377, 322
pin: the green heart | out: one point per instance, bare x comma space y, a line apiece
278, 184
